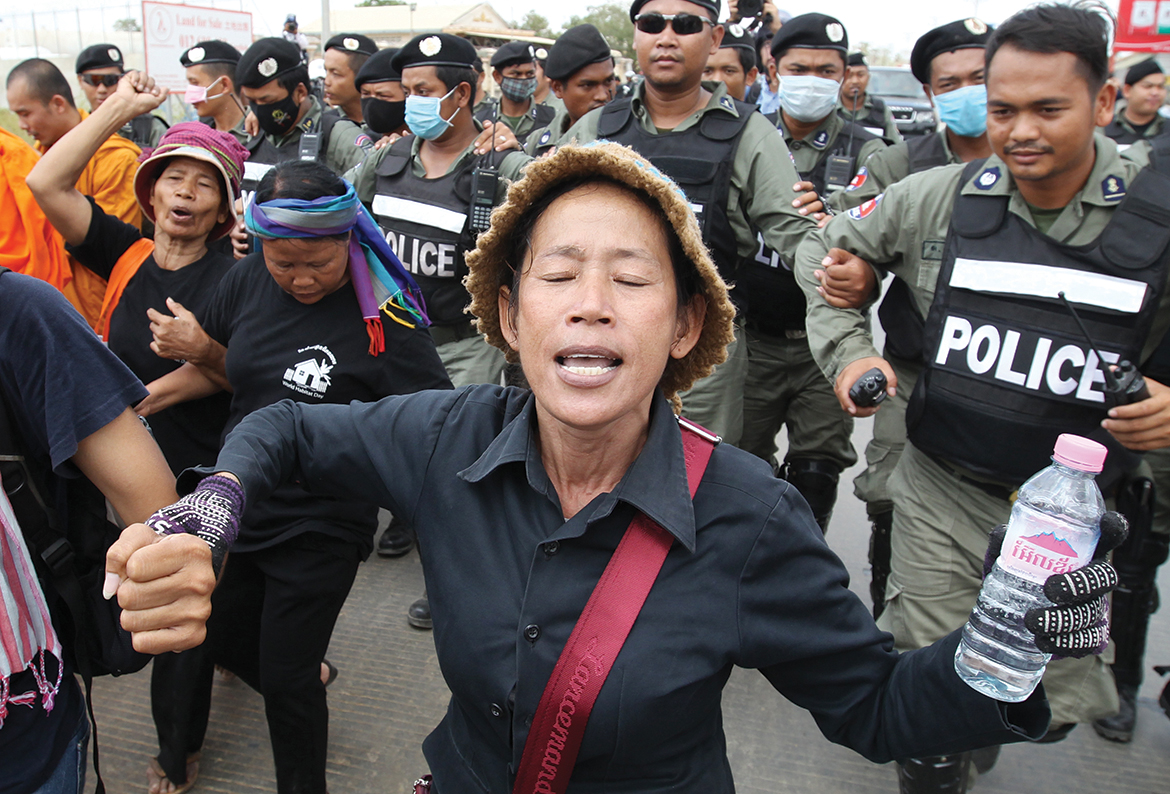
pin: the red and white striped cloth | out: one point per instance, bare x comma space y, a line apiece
26, 631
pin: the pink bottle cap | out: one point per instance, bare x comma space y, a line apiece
1080, 453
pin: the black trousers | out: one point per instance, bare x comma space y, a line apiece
272, 616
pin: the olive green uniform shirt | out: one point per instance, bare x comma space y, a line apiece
807, 151
889, 126
905, 232
762, 174
158, 128
882, 169
347, 145
537, 144
1157, 126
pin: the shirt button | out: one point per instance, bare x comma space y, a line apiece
552, 547
496, 710
532, 632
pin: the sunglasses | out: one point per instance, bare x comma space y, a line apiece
683, 24
108, 80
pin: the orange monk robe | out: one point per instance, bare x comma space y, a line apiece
28, 242
109, 178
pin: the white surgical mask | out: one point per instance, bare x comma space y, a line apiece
807, 98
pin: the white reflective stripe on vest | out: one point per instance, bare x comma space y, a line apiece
1043, 281
417, 212
256, 171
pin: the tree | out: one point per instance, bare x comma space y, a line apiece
129, 25
613, 20
378, 3
538, 24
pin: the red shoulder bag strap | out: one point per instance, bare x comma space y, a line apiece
584, 664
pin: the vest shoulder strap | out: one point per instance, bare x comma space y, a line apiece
725, 126
879, 105
977, 216
124, 270
542, 115
1138, 234
926, 152
394, 162
614, 117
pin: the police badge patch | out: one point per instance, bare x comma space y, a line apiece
350, 43
822, 139
267, 67
835, 32
430, 46
859, 179
545, 138
1113, 188
857, 213
196, 54
988, 178
977, 27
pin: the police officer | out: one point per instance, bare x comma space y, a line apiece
948, 60
580, 72
345, 54
859, 106
1145, 92
382, 97
99, 68
983, 247
212, 91
292, 121
420, 190
784, 385
514, 70
723, 154
734, 63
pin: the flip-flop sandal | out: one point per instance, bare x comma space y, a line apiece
333, 671
155, 774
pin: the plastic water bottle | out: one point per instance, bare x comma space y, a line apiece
1054, 528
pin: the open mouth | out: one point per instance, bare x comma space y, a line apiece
181, 213
588, 364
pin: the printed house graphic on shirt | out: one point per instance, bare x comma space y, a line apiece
311, 374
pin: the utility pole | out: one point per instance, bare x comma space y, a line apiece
326, 33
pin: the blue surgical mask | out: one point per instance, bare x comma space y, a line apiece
964, 110
424, 117
806, 97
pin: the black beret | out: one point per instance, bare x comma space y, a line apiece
576, 48
712, 7
213, 51
963, 34
99, 56
352, 42
478, 65
266, 60
811, 32
1140, 71
734, 36
378, 69
436, 49
856, 59
512, 53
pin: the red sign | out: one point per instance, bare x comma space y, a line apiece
1143, 26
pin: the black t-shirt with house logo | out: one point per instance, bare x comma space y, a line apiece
281, 349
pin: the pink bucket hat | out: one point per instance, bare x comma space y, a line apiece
199, 142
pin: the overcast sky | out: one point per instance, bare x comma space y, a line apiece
894, 24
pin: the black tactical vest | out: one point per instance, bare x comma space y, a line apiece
1007, 369
1120, 135
765, 280
698, 159
541, 115
898, 312
425, 222
263, 154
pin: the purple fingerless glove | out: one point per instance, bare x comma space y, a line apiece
212, 511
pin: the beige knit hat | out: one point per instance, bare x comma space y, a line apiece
489, 269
